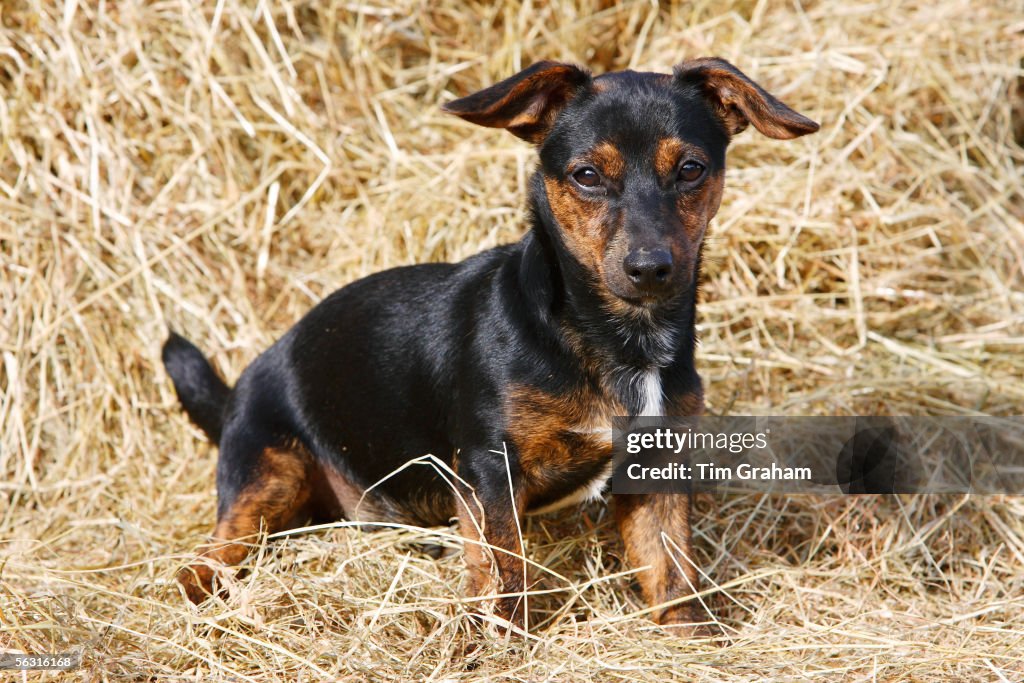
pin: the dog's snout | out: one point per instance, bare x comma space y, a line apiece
648, 269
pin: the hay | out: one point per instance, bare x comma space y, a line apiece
220, 167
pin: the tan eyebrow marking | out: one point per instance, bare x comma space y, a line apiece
667, 155
608, 160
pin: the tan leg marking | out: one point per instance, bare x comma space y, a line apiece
642, 518
273, 501
493, 553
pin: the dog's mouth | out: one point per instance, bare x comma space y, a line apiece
644, 301
622, 297
625, 294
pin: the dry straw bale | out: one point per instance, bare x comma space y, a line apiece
219, 167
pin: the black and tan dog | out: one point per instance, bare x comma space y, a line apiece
508, 366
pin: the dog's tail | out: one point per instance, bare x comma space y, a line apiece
202, 393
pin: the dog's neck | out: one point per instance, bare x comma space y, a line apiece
622, 341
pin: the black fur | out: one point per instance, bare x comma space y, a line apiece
202, 393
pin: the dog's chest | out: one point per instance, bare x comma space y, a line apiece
564, 441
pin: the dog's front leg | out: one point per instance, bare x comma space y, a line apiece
656, 531
489, 521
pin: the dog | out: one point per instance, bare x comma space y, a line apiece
507, 367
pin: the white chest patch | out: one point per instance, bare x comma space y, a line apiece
651, 396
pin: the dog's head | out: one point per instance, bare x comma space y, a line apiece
632, 163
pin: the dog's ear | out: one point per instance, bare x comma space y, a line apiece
525, 104
738, 100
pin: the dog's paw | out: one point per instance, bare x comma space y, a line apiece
690, 622
197, 581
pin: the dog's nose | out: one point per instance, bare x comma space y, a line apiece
648, 269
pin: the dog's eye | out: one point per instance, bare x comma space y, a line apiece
587, 177
690, 171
